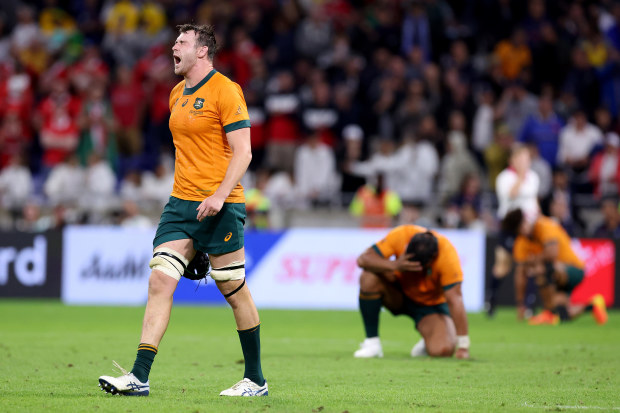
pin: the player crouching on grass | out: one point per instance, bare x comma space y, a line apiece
423, 282
543, 250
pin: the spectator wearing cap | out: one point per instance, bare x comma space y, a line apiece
604, 169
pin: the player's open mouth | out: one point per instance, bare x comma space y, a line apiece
177, 60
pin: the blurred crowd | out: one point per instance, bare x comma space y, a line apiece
398, 111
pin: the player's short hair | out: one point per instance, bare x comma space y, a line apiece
205, 36
512, 221
423, 247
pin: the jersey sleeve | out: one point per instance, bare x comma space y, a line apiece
448, 264
392, 244
233, 109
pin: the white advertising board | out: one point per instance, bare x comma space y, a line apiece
106, 265
316, 268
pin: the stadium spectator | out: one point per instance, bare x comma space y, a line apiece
14, 139
483, 122
582, 81
497, 154
283, 130
604, 172
157, 185
65, 182
97, 195
543, 129
515, 106
257, 203
16, 185
542, 169
513, 54
57, 121
610, 227
97, 123
376, 205
456, 164
132, 218
316, 180
578, 139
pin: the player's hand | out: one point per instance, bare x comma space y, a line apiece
462, 353
404, 264
209, 207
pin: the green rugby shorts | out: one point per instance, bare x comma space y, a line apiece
218, 234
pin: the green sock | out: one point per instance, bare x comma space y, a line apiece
250, 345
370, 310
144, 361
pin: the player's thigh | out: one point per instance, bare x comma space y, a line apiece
439, 334
391, 294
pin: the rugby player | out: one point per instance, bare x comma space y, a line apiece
422, 282
543, 250
206, 212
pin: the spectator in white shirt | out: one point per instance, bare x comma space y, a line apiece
315, 171
16, 185
516, 187
98, 196
577, 140
65, 183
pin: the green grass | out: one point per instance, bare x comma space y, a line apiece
51, 356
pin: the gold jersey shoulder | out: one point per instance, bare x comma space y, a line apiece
200, 117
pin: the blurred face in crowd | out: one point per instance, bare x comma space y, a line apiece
186, 53
521, 160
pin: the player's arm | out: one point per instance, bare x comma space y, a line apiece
239, 141
372, 261
551, 251
454, 298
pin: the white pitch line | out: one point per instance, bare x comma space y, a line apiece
572, 407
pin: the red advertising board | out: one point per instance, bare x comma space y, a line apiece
599, 256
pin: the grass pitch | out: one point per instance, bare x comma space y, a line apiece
51, 356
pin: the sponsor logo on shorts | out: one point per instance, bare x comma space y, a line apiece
198, 103
227, 237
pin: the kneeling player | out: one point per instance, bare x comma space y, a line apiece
423, 282
543, 251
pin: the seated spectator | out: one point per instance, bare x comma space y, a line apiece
353, 137
132, 217
375, 205
315, 171
610, 227
65, 183
578, 139
16, 185
97, 197
604, 169
157, 185
560, 211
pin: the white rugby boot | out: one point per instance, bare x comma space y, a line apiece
246, 387
419, 349
370, 347
125, 385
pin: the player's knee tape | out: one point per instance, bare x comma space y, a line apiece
170, 262
233, 271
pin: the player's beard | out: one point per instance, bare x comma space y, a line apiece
187, 62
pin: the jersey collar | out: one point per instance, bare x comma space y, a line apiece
191, 90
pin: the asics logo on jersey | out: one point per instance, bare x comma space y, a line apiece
227, 237
185, 103
238, 112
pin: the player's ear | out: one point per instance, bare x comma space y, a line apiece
202, 51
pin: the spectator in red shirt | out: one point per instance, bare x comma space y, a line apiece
57, 123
